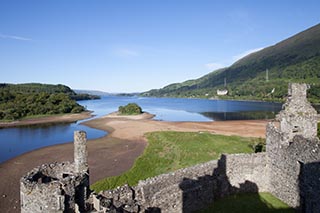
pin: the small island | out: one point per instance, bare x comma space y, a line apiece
130, 109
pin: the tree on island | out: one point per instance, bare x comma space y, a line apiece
130, 109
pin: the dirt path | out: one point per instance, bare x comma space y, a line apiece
112, 154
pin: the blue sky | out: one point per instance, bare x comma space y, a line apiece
135, 45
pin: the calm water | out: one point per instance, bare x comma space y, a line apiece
16, 141
179, 109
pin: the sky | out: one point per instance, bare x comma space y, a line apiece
138, 45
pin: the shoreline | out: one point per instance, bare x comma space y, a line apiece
135, 126
221, 99
114, 153
52, 119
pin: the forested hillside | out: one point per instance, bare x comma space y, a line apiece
23, 100
263, 75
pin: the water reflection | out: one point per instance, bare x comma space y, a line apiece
16, 141
224, 116
181, 109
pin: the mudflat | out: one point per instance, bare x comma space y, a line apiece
66, 118
112, 154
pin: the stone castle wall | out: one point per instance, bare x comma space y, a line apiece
195, 187
310, 187
293, 151
173, 192
34, 191
298, 117
57, 187
288, 169
51, 188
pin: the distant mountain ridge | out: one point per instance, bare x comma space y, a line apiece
91, 92
263, 75
101, 93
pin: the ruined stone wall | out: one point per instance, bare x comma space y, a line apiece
53, 188
310, 187
287, 161
170, 192
193, 188
80, 151
298, 117
248, 167
58, 187
34, 198
283, 171
292, 148
41, 192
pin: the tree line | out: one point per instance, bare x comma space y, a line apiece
22, 100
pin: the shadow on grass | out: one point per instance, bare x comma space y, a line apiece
214, 193
249, 203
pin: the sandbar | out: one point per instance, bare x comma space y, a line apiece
134, 127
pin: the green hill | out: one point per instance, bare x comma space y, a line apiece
24, 100
296, 59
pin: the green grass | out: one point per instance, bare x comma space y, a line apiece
260, 202
169, 151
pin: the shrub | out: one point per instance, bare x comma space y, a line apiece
130, 109
77, 109
259, 146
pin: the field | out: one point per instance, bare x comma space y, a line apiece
169, 151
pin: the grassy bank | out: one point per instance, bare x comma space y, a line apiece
249, 203
169, 151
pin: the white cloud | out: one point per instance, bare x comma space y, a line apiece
214, 66
4, 36
248, 52
124, 52
226, 63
